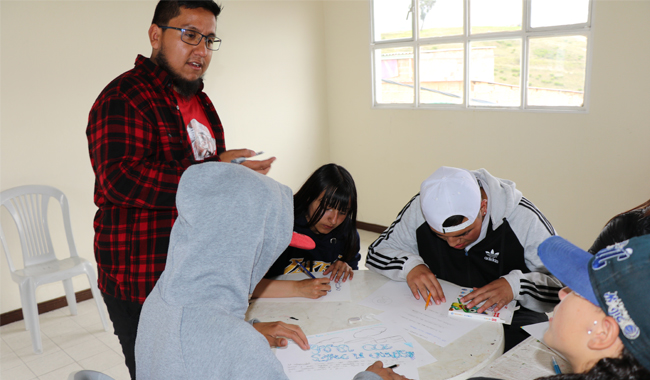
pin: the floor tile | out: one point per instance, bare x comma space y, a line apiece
87, 349
9, 360
110, 340
27, 354
89, 316
21, 372
72, 338
59, 327
61, 373
103, 361
18, 338
119, 372
4, 348
49, 362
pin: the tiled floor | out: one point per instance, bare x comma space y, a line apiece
72, 343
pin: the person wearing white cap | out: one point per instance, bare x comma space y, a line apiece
474, 230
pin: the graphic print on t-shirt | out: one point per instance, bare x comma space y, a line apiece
203, 143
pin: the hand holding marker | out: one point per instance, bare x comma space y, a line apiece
555, 366
306, 271
239, 160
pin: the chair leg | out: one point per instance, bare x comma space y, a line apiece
70, 296
24, 302
97, 296
30, 314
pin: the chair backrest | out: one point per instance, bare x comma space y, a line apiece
28, 208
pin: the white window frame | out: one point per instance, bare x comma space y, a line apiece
525, 34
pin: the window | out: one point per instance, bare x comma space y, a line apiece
517, 54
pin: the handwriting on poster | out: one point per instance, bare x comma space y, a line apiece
342, 352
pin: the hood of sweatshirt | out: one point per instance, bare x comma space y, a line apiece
233, 223
503, 196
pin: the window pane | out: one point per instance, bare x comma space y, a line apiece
441, 18
557, 69
487, 16
392, 19
494, 69
441, 74
558, 12
394, 75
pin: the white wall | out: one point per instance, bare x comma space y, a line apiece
267, 83
579, 169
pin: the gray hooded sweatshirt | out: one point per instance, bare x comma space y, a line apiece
232, 225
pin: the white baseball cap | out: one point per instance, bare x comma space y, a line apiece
448, 192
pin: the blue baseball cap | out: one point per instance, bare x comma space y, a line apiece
617, 279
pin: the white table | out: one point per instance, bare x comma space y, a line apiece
459, 360
529, 359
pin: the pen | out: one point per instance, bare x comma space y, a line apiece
428, 300
393, 366
239, 160
306, 271
555, 366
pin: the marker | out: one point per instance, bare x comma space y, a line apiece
306, 271
428, 300
239, 160
393, 366
555, 366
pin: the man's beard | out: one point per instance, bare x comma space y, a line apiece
185, 88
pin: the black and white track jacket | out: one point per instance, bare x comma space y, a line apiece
506, 247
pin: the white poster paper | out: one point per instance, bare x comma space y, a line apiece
434, 324
342, 354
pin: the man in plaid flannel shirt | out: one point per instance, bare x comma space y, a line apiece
145, 128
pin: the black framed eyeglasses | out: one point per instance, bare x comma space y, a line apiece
192, 37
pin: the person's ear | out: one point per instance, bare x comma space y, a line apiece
155, 36
605, 335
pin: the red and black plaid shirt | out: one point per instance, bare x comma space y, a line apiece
138, 149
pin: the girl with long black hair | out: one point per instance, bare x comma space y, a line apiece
325, 209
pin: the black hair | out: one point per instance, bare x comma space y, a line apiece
624, 367
168, 9
453, 220
340, 193
644, 208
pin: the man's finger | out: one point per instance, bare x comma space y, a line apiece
438, 295
476, 299
415, 290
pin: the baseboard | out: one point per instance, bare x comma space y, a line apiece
57, 303
370, 227
44, 307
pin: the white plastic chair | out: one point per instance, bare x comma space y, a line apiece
28, 206
87, 374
